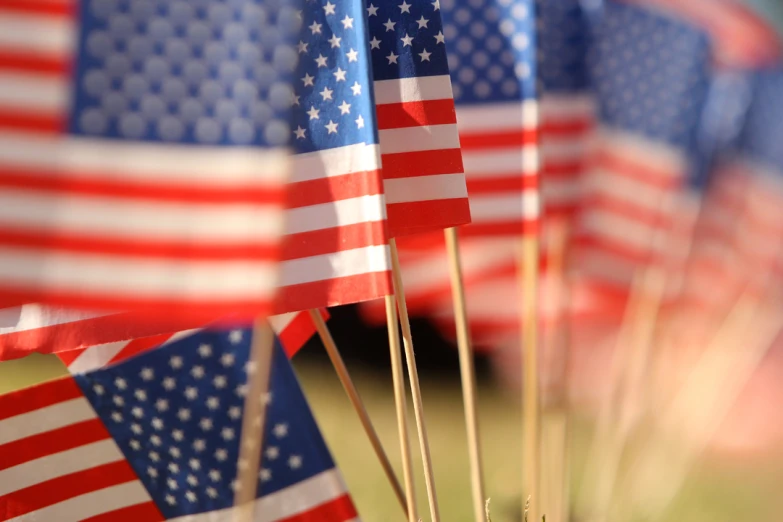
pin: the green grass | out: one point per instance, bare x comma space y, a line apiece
743, 491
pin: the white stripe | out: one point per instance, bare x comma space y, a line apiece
560, 192
45, 419
281, 322
413, 89
364, 209
34, 33
96, 357
35, 93
150, 278
118, 218
90, 504
336, 162
557, 150
59, 464
619, 229
487, 209
340, 264
425, 188
146, 162
566, 107
666, 159
285, 503
33, 316
619, 186
498, 116
426, 137
510, 161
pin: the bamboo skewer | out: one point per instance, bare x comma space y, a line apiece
358, 405
468, 374
253, 421
401, 407
413, 375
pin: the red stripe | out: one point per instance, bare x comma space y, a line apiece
51, 442
71, 355
333, 292
36, 397
39, 7
146, 512
96, 184
632, 168
138, 346
526, 226
561, 169
11, 118
66, 487
422, 163
298, 332
415, 114
490, 140
330, 240
489, 185
607, 204
333, 188
337, 510
421, 216
33, 63
140, 248
565, 128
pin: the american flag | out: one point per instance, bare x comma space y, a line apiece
156, 437
424, 180
142, 153
336, 249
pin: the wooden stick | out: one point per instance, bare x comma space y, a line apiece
529, 272
468, 374
413, 375
401, 406
253, 421
356, 402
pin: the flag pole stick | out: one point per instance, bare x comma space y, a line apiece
413, 375
400, 405
467, 373
253, 421
357, 403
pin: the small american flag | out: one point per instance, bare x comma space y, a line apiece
157, 438
424, 179
336, 249
142, 150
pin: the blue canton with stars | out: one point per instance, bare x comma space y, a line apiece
176, 414
650, 73
407, 39
206, 72
333, 100
492, 49
562, 42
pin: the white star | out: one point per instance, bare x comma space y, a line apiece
136, 428
157, 423
302, 47
250, 367
321, 60
140, 394
176, 362
334, 41
136, 445
197, 372
352, 55
178, 435
155, 440
190, 496
331, 127
170, 500
392, 58
194, 464
213, 403
272, 452
173, 467
169, 383
356, 88
266, 398
221, 454
422, 22
98, 389
234, 412
219, 381
339, 75
205, 350
116, 416
152, 472
326, 94
345, 108
315, 27
120, 383
172, 483
227, 433
212, 492
118, 400
406, 40
295, 100
241, 390
405, 7
360, 122
280, 430
265, 475
295, 462
191, 392
389, 25
439, 38
347, 22
183, 414
329, 8
214, 475
375, 43
175, 452
425, 56
161, 405
300, 135
147, 374
199, 445
235, 337
154, 457
436, 5
227, 359
313, 113
372, 10
235, 485
192, 480
137, 412
205, 424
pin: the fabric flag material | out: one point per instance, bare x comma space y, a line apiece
336, 246
156, 437
142, 154
423, 173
